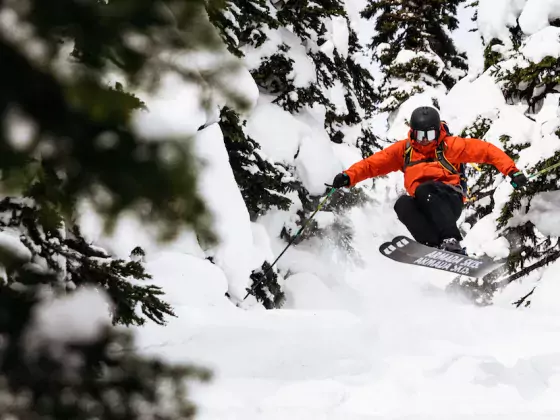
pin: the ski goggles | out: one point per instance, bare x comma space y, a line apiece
425, 136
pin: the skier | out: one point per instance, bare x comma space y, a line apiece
430, 159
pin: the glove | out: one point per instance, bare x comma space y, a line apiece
518, 179
341, 180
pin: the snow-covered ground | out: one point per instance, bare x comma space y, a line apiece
359, 337
377, 341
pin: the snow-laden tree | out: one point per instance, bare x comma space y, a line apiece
524, 60
263, 185
413, 46
533, 80
317, 67
308, 58
481, 178
242, 22
305, 57
67, 138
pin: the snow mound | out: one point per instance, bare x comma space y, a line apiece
231, 222
188, 280
483, 239
545, 213
11, 248
307, 291
495, 17
277, 131
316, 162
77, 318
469, 99
545, 296
545, 142
167, 108
337, 37
297, 140
537, 14
513, 123
545, 42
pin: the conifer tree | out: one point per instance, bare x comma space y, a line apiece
413, 47
275, 74
308, 27
529, 82
101, 377
480, 177
263, 184
242, 23
81, 145
532, 83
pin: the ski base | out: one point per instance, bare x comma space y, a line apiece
408, 251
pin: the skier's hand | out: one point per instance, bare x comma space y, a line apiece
518, 179
341, 180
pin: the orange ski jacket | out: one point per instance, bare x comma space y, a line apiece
457, 150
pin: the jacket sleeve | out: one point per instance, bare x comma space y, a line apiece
381, 163
480, 151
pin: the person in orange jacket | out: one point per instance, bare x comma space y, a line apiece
430, 159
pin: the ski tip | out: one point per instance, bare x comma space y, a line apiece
401, 241
387, 248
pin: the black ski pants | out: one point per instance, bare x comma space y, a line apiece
431, 216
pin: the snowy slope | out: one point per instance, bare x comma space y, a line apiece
360, 337
376, 341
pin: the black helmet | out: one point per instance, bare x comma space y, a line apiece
423, 122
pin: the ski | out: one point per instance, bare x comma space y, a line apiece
408, 251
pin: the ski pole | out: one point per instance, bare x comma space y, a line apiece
542, 171
301, 229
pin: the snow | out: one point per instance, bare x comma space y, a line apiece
303, 72
324, 219
483, 239
495, 17
316, 163
469, 41
405, 56
12, 249
545, 142
277, 131
398, 126
238, 83
511, 122
20, 130
537, 14
545, 213
78, 318
188, 280
543, 43
337, 37
348, 155
545, 296
306, 291
469, 99
360, 336
165, 117
299, 140
361, 347
231, 221
120, 242
336, 94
